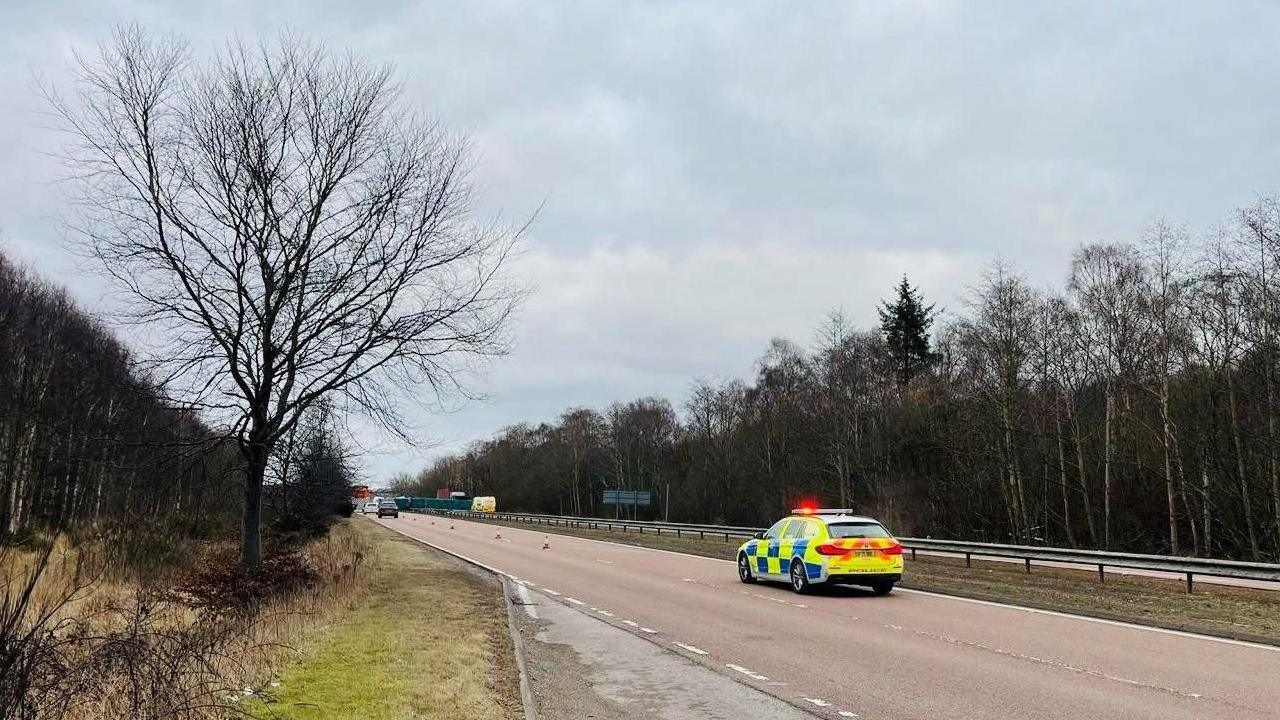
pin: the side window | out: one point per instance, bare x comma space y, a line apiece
776, 530
796, 529
810, 530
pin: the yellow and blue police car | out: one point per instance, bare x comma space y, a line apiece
814, 546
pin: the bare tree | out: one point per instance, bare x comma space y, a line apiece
1166, 304
288, 229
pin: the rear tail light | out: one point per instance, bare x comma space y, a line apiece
829, 549
894, 549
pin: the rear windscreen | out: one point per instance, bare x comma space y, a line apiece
858, 530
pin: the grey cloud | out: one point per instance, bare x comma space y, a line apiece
718, 173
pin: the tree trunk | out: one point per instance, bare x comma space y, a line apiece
1167, 443
1106, 469
255, 456
1062, 482
1241, 478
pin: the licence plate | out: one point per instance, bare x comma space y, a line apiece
864, 553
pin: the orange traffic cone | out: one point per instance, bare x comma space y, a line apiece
450, 526
498, 536
546, 543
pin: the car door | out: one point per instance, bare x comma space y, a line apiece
791, 543
767, 549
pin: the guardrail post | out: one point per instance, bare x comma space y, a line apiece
1188, 583
677, 532
913, 554
968, 560
1102, 576
1028, 565
701, 535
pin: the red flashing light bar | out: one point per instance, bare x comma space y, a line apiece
822, 511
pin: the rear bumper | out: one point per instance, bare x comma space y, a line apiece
863, 578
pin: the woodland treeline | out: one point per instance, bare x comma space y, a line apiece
1133, 409
86, 440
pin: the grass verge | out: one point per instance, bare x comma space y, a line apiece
428, 639
1224, 611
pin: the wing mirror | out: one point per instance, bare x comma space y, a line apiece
759, 535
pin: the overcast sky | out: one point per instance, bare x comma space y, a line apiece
716, 174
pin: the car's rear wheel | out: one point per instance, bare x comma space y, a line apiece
744, 569
883, 587
799, 577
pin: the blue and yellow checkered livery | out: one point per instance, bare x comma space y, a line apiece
812, 547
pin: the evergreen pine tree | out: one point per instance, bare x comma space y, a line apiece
905, 325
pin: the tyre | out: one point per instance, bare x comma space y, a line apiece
882, 588
799, 577
744, 569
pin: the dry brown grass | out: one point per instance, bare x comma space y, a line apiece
93, 642
428, 642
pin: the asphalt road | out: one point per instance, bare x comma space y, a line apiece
845, 653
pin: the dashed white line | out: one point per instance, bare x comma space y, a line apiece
749, 673
549, 591
846, 713
648, 630
690, 648
818, 702
605, 613
575, 601
632, 623
606, 562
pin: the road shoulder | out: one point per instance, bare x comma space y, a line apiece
582, 667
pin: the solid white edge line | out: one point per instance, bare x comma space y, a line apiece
1016, 608
526, 602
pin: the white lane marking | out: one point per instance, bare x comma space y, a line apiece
526, 583
526, 602
818, 701
846, 713
1100, 621
605, 613
648, 630
549, 591
606, 562
632, 623
690, 648
749, 673
687, 579
575, 601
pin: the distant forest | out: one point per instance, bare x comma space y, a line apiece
88, 441
1134, 409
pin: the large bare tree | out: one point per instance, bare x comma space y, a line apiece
288, 228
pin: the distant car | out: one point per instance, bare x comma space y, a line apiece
388, 508
369, 507
811, 547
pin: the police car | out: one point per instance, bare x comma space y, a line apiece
814, 546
